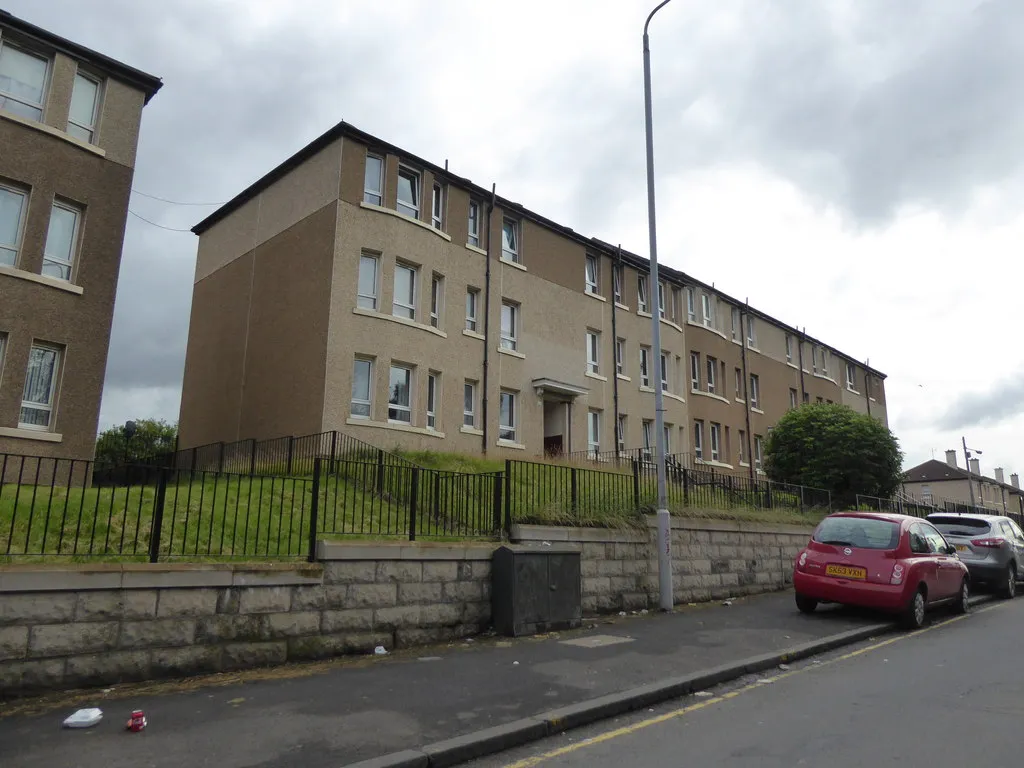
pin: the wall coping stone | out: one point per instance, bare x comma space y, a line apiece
732, 526
98, 576
404, 550
553, 533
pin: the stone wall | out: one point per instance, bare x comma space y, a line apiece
711, 560
102, 624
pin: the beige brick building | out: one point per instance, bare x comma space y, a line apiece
69, 127
947, 484
360, 288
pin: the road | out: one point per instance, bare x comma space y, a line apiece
949, 695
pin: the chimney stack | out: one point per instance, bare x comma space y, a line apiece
999, 475
976, 467
1015, 480
951, 458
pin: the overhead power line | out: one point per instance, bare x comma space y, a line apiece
161, 226
172, 202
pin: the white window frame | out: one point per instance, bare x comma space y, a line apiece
472, 308
645, 366
508, 431
647, 437
735, 318
825, 361
758, 451
19, 233
398, 408
90, 129
473, 224
436, 299
712, 369
433, 396
397, 305
591, 265
620, 354
708, 310
437, 206
851, 377
814, 358
691, 304
49, 406
642, 282
593, 352
617, 278
41, 106
751, 333
510, 336
789, 348
755, 391
368, 300
620, 432
715, 433
360, 401
738, 383
469, 416
662, 309
510, 246
412, 210
663, 360
698, 439
695, 371
792, 398
593, 431
667, 435
743, 446
370, 195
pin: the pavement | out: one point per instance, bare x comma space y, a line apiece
949, 696
339, 713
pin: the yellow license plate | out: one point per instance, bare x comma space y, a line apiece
845, 572
961, 548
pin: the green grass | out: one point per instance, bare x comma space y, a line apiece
211, 517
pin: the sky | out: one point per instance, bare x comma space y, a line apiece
853, 167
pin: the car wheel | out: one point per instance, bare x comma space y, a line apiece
963, 600
913, 617
1009, 586
806, 604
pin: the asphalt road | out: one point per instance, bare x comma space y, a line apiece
949, 695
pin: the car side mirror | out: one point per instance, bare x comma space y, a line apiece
950, 549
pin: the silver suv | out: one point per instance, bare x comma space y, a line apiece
991, 546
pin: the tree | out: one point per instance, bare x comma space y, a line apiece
123, 444
831, 446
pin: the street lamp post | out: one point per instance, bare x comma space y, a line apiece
967, 460
664, 521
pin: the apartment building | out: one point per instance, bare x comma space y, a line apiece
939, 483
358, 287
69, 126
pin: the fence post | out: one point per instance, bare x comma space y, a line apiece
220, 461
496, 509
291, 451
768, 494
158, 516
437, 497
573, 490
686, 487
314, 509
801, 499
334, 445
508, 497
380, 470
636, 484
414, 493
252, 458
730, 490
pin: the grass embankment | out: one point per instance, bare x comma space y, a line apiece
208, 516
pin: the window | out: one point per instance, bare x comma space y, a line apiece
507, 416
820, 400
409, 192
695, 370
593, 349
400, 395
620, 433
620, 352
712, 366
666, 435
617, 276
757, 451
792, 398
594, 431
743, 447
373, 180
22, 82
472, 300
433, 393
367, 290
851, 377
675, 304
698, 439
40, 388
474, 223
709, 310
664, 372
404, 304
85, 98
735, 323
824, 361
738, 384
12, 217
716, 441
510, 240
469, 404
691, 309
814, 358
751, 333
755, 391
661, 299
436, 300
807, 397
641, 293
362, 387
926, 494
648, 427
509, 325
789, 348
591, 273
645, 366
437, 207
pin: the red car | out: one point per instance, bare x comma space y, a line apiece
893, 563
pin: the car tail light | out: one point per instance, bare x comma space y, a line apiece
802, 561
994, 542
897, 574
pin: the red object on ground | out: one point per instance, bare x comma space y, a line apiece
137, 721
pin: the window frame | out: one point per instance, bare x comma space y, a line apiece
396, 407
642, 284
715, 435
593, 351
469, 387
379, 192
711, 364
437, 206
743, 446
593, 431
851, 381
436, 299
789, 348
662, 309
698, 439
695, 371
755, 391
433, 397
90, 129
591, 269
620, 354
793, 398
363, 298
708, 310
618, 275
646, 437
758, 452
620, 432
472, 308
473, 224
513, 253
414, 290
508, 432
368, 402
19, 232
751, 333
738, 384
736, 319
691, 304
645, 366
47, 75
510, 340
663, 358
50, 406
416, 179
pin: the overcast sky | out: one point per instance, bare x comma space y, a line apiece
855, 166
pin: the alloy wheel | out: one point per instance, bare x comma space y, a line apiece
919, 609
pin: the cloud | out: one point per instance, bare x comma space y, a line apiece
1004, 400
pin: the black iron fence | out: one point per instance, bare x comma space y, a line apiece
905, 504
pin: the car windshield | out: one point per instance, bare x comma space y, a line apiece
954, 525
861, 532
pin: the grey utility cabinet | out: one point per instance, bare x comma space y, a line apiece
535, 589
